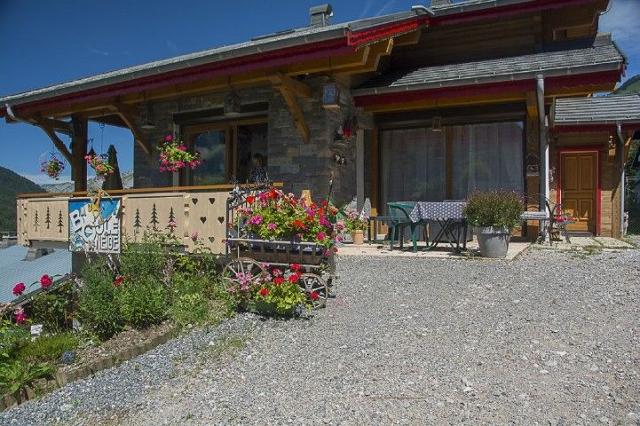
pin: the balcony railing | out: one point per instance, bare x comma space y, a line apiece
196, 211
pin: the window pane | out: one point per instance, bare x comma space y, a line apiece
252, 152
487, 157
413, 165
212, 148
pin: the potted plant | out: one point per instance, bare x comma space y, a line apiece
356, 223
276, 216
174, 156
99, 165
53, 167
493, 215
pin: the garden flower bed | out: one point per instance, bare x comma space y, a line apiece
115, 310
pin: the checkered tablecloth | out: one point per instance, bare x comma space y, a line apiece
444, 210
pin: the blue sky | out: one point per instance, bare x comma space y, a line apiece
47, 42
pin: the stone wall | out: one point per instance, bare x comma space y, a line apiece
299, 165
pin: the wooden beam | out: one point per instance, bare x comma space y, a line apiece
57, 142
446, 102
532, 105
294, 86
79, 150
128, 113
296, 112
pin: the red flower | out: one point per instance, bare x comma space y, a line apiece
46, 281
21, 317
278, 280
168, 138
298, 224
263, 292
251, 199
295, 267
18, 289
314, 295
118, 281
293, 278
272, 195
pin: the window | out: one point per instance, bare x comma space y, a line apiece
212, 146
424, 165
230, 151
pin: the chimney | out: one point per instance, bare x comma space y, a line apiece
320, 15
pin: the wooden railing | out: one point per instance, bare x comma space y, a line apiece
189, 213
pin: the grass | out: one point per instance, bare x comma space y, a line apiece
47, 348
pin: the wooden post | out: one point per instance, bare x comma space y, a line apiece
78, 152
360, 168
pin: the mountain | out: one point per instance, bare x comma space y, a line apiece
11, 184
629, 87
62, 187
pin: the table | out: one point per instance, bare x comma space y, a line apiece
449, 215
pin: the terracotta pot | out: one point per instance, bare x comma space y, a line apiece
357, 237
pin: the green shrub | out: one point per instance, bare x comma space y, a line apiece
54, 309
198, 299
148, 258
494, 208
16, 374
191, 308
98, 306
143, 301
47, 348
12, 338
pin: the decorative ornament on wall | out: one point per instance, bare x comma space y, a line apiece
331, 96
347, 130
533, 165
339, 159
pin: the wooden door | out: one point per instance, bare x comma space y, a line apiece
579, 184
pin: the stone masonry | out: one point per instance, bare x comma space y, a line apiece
297, 164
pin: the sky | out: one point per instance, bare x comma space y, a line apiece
46, 42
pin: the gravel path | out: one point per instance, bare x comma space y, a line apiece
550, 338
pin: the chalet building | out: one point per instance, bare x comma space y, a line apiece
428, 104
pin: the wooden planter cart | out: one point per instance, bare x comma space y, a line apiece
250, 255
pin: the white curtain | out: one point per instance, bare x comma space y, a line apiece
413, 165
487, 157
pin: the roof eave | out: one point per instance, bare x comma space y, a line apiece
530, 74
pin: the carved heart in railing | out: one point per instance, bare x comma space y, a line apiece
194, 201
203, 219
221, 219
212, 200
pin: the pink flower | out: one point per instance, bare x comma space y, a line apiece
21, 317
320, 236
272, 227
18, 289
276, 272
194, 237
46, 281
255, 220
168, 138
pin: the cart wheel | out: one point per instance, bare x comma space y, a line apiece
313, 284
234, 271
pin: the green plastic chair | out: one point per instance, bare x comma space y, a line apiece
398, 219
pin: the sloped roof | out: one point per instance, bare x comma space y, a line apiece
599, 54
257, 45
14, 269
597, 110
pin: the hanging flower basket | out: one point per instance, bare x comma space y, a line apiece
99, 165
175, 156
53, 167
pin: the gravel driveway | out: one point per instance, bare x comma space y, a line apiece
549, 338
